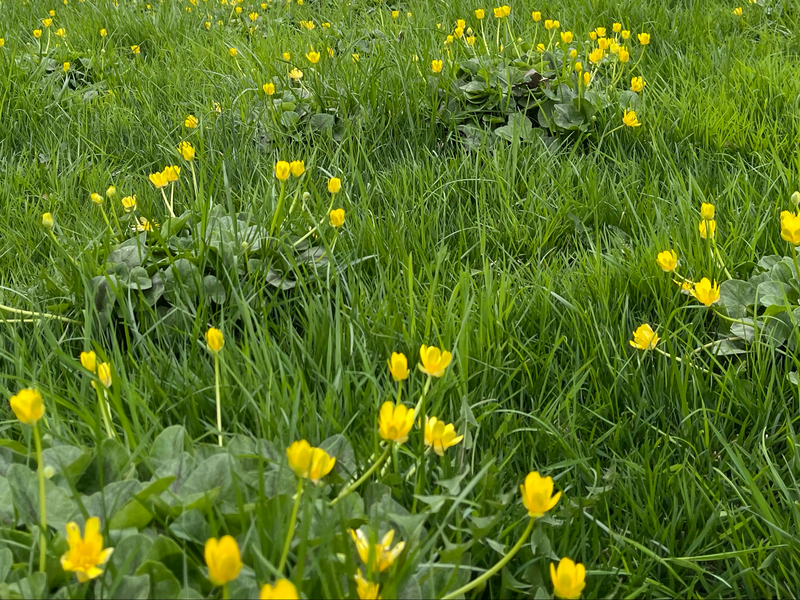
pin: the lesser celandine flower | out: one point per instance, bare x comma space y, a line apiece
96, 199
593, 35
479, 13
790, 227
644, 338
548, 23
566, 37
158, 179
644, 38
86, 554
47, 220
625, 34
172, 172
667, 260
365, 589
309, 462
578, 67
433, 361
334, 185
103, 33
708, 229
398, 366
569, 579
297, 168
104, 374
738, 11
313, 57
537, 494
502, 11
707, 211
27, 405
135, 49
603, 43
233, 51
128, 203
630, 119
282, 170
587, 77
65, 67
37, 33
440, 436
596, 55
111, 192
436, 66
706, 292
89, 361
214, 339
253, 16
637, 84
296, 74
616, 27
186, 150
283, 589
624, 55
47, 22
223, 560
395, 422
395, 14
601, 32
536, 15
540, 48
269, 88
381, 554
190, 122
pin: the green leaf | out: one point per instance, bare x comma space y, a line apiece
24, 485
130, 553
6, 560
163, 581
131, 587
290, 119
129, 255
567, 117
191, 526
214, 289
322, 122
735, 296
519, 127
170, 443
339, 447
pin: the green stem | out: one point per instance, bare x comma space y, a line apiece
502, 563
292, 524
104, 409
28, 313
217, 396
194, 184
278, 209
42, 502
346, 491
794, 258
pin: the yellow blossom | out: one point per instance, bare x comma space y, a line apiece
89, 361
540, 48
190, 122
365, 589
395, 14
223, 560
395, 422
207, 24
603, 43
578, 67
269, 88
253, 16
790, 227
283, 589
334, 185
104, 374
708, 229
135, 49
536, 15
587, 77
596, 55
381, 555
566, 37
111, 192
313, 57
630, 119
282, 170
440, 436
143, 225
667, 260
706, 292
436, 66
433, 361
502, 11
47, 22
625, 34
616, 27
158, 179
398, 366
37, 33
233, 51
286, 56
129, 203
65, 67
96, 199
186, 150
738, 11
573, 53
707, 211
569, 579
354, 57
537, 494
644, 38
47, 220
480, 13
644, 338
172, 172
637, 84
297, 168
60, 32
309, 462
296, 74
214, 339
593, 35
548, 24
336, 217
86, 554
624, 55
28, 405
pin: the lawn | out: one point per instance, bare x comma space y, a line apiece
219, 221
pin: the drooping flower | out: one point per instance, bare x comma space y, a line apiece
282, 170
707, 211
537, 494
637, 84
395, 422
644, 338
214, 339
297, 167
433, 361
128, 203
86, 554
440, 436
223, 559
89, 361
379, 556
398, 366
569, 579
708, 229
667, 260
706, 292
436, 66
334, 185
27, 405
309, 462
283, 589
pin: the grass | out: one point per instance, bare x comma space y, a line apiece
532, 265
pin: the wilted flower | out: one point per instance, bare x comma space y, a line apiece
433, 361
398, 366
283, 589
440, 436
436, 66
381, 555
708, 229
334, 185
296, 74
223, 560
309, 462
644, 338
667, 260
637, 84
129, 203
569, 579
86, 554
629, 118
706, 292
395, 422
537, 494
28, 405
186, 150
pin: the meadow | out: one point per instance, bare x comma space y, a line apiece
240, 242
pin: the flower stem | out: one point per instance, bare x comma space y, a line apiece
502, 563
794, 258
104, 409
278, 208
42, 502
292, 523
216, 395
29, 313
346, 491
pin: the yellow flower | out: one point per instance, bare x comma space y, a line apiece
537, 494
28, 406
365, 589
86, 554
480, 13
601, 32
135, 49
573, 53
129, 203
60, 32
587, 77
458, 32
629, 118
436, 66
616, 27
440, 436
297, 168
625, 34
158, 179
603, 43
104, 374
644, 338
47, 22
578, 67
381, 555
309, 462
238, 10
214, 339
708, 229
190, 122
313, 57
667, 260
96, 199
614, 47
398, 366
283, 589
706, 292
233, 51
111, 192
556, 24
296, 74
644, 38
593, 35
738, 11
223, 560
47, 220
354, 56
89, 361
52, 13
790, 228
207, 24
395, 14
536, 15
186, 150
269, 88
637, 84
596, 55
500, 12
540, 48
568, 580
566, 36
65, 67
334, 185
707, 211
461, 23
171, 173
449, 40
282, 170
624, 55
253, 16
548, 23
143, 225
286, 56
394, 422
433, 361
37, 33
